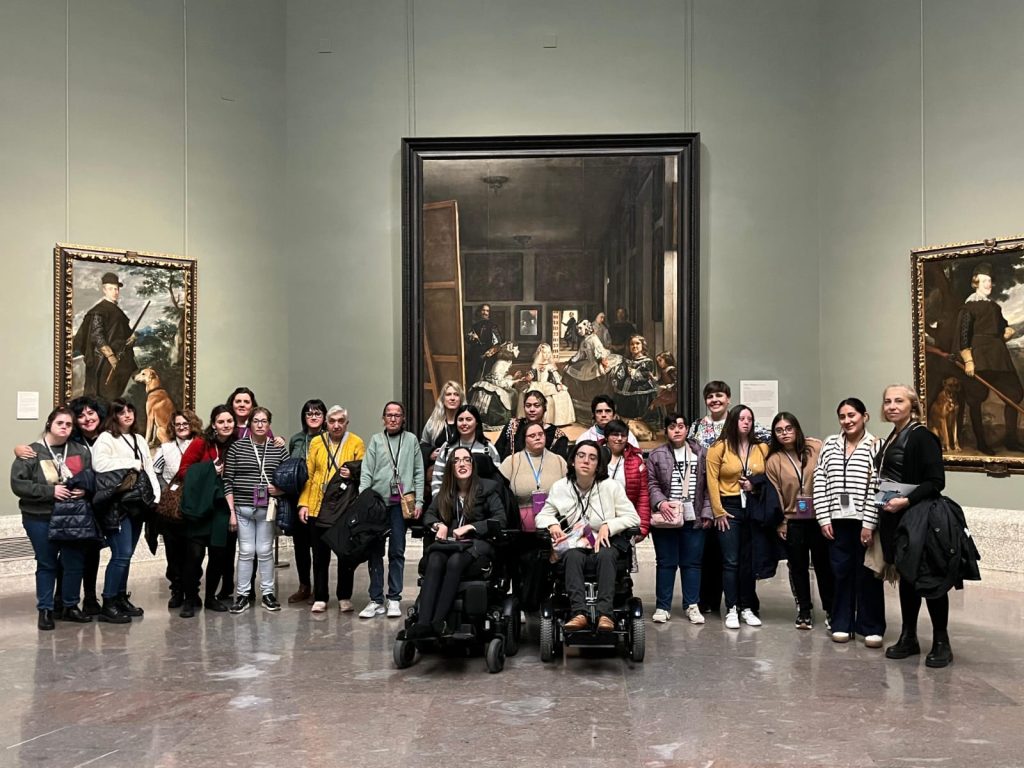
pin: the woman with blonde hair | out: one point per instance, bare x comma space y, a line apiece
910, 455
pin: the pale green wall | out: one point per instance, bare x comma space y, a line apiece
93, 151
921, 146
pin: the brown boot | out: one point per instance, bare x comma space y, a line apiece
576, 623
605, 624
302, 593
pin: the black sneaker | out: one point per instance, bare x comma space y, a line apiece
270, 602
828, 621
804, 620
213, 604
240, 605
177, 600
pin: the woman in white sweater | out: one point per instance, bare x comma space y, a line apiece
585, 511
119, 446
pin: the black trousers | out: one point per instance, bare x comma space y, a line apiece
711, 572
805, 543
576, 561
322, 569
227, 574
176, 552
441, 579
217, 561
302, 543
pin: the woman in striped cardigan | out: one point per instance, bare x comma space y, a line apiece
844, 490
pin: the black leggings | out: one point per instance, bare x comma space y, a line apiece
441, 580
215, 567
910, 607
322, 569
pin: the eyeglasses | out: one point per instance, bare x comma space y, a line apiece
785, 430
462, 460
393, 416
181, 424
312, 414
260, 421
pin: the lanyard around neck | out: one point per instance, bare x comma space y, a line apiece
260, 461
799, 471
536, 470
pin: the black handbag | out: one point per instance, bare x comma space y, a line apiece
138, 499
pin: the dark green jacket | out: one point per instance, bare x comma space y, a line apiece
203, 504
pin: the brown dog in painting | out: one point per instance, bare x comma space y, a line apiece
944, 414
159, 407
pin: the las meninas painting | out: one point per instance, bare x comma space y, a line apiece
969, 335
125, 328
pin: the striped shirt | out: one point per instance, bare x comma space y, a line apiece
835, 475
679, 472
242, 467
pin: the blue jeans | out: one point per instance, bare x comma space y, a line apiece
738, 559
396, 560
858, 605
677, 549
255, 540
122, 544
72, 558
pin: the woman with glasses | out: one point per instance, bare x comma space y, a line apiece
248, 471
792, 460
313, 415
737, 456
585, 514
186, 427
463, 517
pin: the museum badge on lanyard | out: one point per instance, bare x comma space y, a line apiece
537, 498
804, 504
261, 493
744, 475
396, 481
847, 507
689, 513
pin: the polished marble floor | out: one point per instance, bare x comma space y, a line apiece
294, 689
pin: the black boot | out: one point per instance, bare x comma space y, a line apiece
91, 606
111, 612
214, 604
177, 599
188, 607
72, 613
46, 619
906, 646
941, 654
126, 606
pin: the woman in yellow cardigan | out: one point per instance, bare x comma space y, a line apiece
736, 456
327, 455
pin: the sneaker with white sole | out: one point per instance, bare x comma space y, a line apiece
345, 606
661, 616
840, 637
750, 618
319, 606
694, 615
372, 609
732, 619
873, 641
394, 609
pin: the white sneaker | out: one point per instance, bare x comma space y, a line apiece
840, 637
750, 618
372, 609
732, 619
345, 606
694, 615
661, 616
873, 641
319, 606
394, 609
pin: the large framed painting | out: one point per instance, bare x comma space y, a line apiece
969, 350
567, 264
125, 327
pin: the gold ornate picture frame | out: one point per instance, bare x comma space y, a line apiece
125, 326
969, 351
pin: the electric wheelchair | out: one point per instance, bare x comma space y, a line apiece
628, 635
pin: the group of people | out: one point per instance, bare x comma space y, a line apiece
719, 497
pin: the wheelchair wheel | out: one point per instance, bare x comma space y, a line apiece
404, 653
638, 641
547, 639
495, 654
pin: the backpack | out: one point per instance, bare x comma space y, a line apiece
361, 529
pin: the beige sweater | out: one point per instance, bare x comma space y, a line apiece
516, 469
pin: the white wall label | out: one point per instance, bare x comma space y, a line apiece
762, 397
28, 405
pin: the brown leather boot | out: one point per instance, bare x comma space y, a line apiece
576, 623
301, 594
605, 624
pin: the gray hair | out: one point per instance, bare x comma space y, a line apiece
337, 409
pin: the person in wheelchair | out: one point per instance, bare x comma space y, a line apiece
584, 513
466, 512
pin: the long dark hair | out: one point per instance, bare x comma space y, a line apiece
113, 426
475, 412
731, 430
801, 442
309, 405
602, 462
210, 434
447, 496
